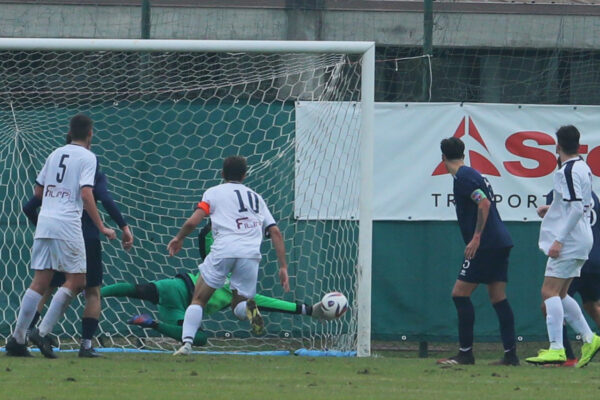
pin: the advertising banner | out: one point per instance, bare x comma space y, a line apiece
512, 145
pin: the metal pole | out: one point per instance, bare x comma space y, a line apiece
427, 47
423, 349
365, 235
248, 46
145, 19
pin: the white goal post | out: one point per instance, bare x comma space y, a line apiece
274, 72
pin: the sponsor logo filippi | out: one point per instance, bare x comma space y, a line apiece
57, 192
246, 223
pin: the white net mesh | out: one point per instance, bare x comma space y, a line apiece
163, 122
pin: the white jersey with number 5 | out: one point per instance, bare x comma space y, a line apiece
239, 218
66, 171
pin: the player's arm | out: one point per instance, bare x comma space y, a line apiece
205, 240
38, 192
101, 193
86, 184
89, 203
188, 227
30, 208
542, 210
277, 239
483, 210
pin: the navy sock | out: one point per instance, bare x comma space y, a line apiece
466, 320
507, 324
35, 320
88, 328
567, 345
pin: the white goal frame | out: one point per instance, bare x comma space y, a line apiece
366, 49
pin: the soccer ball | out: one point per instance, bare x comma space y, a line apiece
334, 305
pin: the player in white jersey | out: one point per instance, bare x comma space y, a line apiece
65, 186
566, 238
239, 218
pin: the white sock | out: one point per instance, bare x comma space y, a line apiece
303, 309
554, 322
191, 323
240, 311
575, 318
86, 343
58, 305
29, 303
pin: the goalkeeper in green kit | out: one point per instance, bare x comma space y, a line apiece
172, 297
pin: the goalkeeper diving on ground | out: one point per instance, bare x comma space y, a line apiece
172, 296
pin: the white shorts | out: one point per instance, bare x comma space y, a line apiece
60, 255
244, 274
564, 268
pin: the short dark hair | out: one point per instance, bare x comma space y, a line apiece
80, 127
234, 168
568, 139
453, 148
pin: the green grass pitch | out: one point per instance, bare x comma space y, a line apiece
162, 376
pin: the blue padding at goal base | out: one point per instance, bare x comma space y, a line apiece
247, 353
324, 353
120, 350
299, 352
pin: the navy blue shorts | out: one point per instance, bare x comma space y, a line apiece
93, 259
488, 266
587, 285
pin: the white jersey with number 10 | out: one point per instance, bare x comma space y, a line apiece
66, 171
239, 218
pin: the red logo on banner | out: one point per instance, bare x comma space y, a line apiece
516, 144
477, 160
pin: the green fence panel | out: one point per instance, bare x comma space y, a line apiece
415, 265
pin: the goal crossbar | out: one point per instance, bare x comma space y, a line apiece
247, 46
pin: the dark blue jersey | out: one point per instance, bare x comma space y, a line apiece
592, 265
494, 235
88, 227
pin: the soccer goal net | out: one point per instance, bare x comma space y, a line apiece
165, 115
